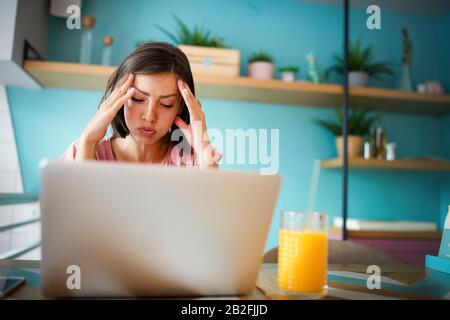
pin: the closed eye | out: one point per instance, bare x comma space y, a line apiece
167, 105
137, 100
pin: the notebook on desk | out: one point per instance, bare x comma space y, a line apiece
126, 230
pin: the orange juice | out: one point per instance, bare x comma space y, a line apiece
302, 261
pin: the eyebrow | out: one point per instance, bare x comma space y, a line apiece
163, 96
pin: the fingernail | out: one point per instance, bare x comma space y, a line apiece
184, 91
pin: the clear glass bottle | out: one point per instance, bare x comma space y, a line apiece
373, 143
86, 40
107, 50
380, 143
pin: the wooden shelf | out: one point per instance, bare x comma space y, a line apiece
374, 234
94, 77
402, 164
69, 75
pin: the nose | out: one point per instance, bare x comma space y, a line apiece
150, 112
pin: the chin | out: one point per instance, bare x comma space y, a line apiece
146, 140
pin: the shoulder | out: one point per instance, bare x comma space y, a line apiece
103, 151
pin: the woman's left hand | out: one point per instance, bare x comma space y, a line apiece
196, 132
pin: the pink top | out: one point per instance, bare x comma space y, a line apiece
174, 156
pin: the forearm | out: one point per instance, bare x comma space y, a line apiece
86, 149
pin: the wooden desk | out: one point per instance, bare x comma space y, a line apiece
344, 281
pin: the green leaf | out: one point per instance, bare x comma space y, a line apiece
260, 56
360, 59
333, 127
359, 122
196, 36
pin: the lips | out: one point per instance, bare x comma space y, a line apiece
148, 132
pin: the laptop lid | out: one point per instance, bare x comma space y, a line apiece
117, 229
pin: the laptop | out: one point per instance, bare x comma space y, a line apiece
140, 230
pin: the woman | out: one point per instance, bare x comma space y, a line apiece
148, 100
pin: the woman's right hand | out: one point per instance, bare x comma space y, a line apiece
97, 127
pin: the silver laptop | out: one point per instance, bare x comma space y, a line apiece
135, 230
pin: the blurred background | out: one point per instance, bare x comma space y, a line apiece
286, 59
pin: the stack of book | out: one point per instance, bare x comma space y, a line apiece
385, 225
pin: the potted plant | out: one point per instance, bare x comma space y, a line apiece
359, 124
288, 73
360, 65
260, 66
207, 54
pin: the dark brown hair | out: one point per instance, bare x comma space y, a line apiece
150, 58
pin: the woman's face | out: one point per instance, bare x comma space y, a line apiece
151, 111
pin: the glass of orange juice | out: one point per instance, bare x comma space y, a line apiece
303, 254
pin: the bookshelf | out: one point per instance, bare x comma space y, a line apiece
400, 164
94, 77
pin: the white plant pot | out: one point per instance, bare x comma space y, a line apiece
260, 70
288, 76
358, 78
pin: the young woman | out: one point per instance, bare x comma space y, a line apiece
148, 100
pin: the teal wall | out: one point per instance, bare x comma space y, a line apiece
445, 179
444, 30
444, 57
46, 121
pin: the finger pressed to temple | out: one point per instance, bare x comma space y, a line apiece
180, 123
